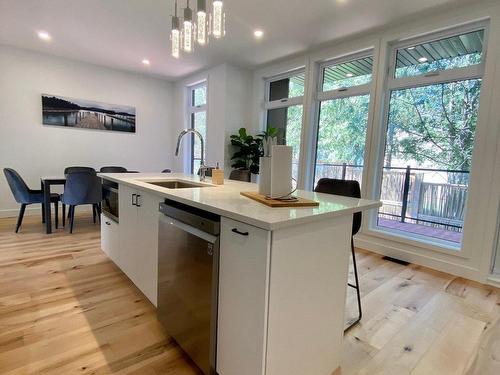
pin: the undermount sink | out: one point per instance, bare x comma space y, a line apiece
177, 184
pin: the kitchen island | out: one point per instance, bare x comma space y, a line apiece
282, 272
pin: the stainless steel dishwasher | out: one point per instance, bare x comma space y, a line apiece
188, 275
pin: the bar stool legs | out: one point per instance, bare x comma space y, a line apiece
355, 286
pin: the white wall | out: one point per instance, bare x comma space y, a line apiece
474, 259
229, 91
36, 150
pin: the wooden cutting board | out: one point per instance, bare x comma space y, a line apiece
301, 202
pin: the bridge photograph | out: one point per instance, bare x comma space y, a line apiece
79, 113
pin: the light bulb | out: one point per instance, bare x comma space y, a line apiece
44, 35
218, 19
201, 29
258, 34
188, 36
176, 43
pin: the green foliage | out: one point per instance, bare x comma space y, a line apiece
342, 130
270, 132
428, 126
434, 125
249, 149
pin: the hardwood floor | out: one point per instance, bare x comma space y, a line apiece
66, 309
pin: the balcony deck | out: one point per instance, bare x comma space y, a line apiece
423, 230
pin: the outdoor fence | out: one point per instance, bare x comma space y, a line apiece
432, 197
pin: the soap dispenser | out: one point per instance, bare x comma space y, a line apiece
218, 176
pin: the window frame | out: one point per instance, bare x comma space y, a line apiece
286, 103
342, 93
390, 83
192, 110
441, 76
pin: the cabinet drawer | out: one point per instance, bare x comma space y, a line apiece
109, 237
243, 290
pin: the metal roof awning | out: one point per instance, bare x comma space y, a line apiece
355, 68
443, 49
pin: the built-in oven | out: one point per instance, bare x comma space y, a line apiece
109, 202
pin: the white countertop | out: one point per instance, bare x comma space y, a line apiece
225, 200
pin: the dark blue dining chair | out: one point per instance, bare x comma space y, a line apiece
69, 170
81, 188
25, 196
74, 169
113, 169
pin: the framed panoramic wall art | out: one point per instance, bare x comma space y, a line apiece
87, 114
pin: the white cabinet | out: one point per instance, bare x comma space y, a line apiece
281, 297
138, 238
243, 280
109, 238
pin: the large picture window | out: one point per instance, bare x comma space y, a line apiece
197, 114
433, 105
284, 107
344, 96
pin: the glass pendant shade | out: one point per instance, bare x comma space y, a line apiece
187, 30
218, 19
201, 23
175, 37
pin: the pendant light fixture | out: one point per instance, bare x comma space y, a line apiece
201, 23
218, 21
188, 29
175, 34
184, 35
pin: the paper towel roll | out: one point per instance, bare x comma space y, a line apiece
265, 175
281, 171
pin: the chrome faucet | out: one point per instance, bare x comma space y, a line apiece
203, 167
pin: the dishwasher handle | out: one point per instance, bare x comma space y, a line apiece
189, 229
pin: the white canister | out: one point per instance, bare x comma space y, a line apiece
281, 171
265, 175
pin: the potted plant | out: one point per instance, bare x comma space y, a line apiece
248, 151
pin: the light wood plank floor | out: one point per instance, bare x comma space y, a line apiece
66, 309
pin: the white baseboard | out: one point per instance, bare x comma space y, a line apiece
35, 209
14, 212
494, 280
397, 251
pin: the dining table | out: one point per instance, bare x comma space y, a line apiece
46, 183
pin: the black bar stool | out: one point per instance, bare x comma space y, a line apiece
346, 188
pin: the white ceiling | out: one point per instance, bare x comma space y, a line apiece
120, 33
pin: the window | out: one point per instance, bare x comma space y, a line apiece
197, 114
284, 107
433, 103
344, 98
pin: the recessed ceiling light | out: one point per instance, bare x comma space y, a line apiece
349, 75
422, 59
44, 35
258, 34
146, 62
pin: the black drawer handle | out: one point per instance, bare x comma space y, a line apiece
235, 230
107, 223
